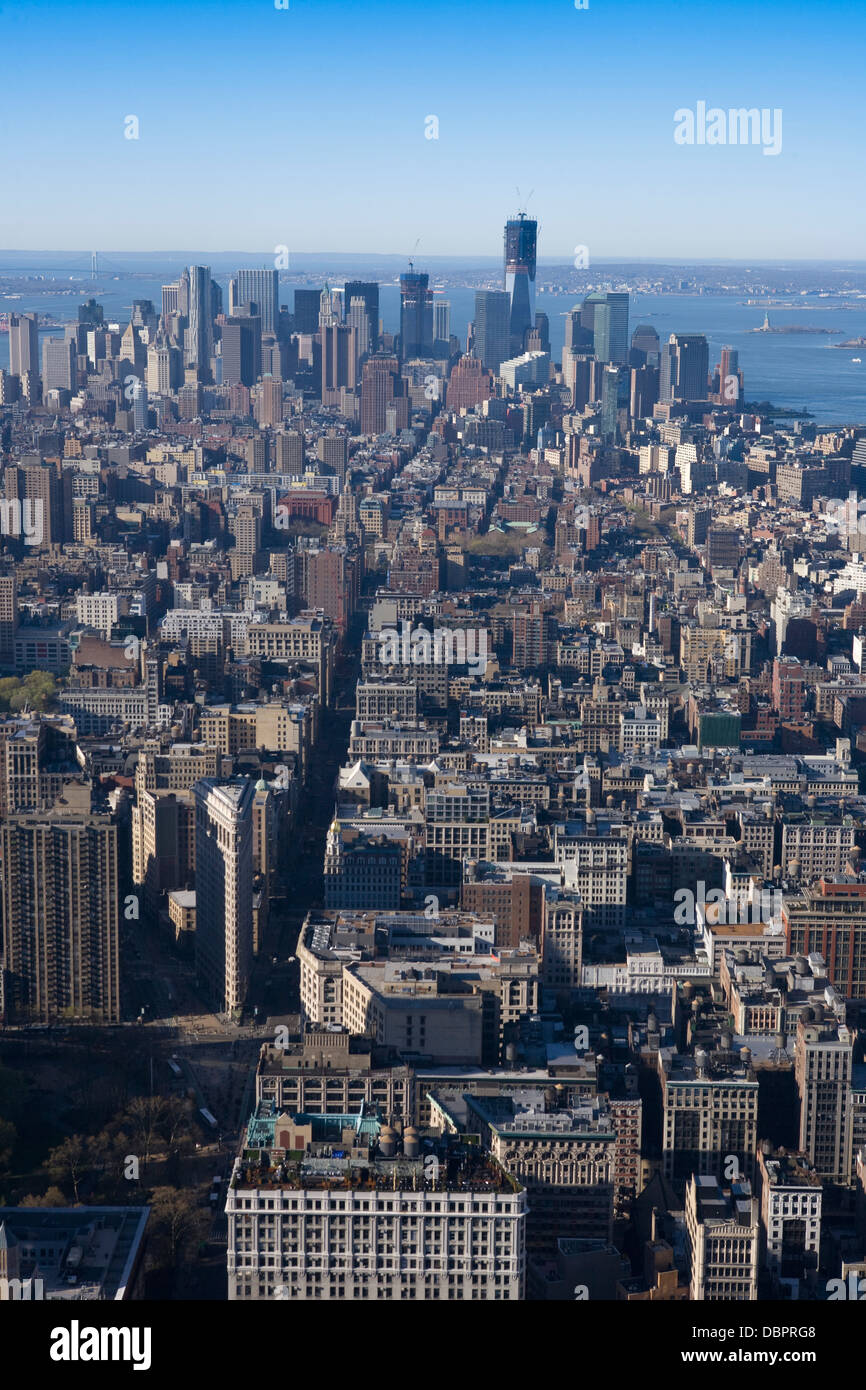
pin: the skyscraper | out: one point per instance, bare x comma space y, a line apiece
576, 371
587, 312
358, 319
609, 402
381, 384
307, 310
684, 368
367, 290
441, 320
730, 378
139, 408
175, 297
200, 331
327, 312
239, 344
492, 317
577, 337
23, 344
261, 288
644, 391
224, 889
92, 313
521, 235
58, 364
469, 384
610, 328
541, 332
645, 341
338, 357
416, 314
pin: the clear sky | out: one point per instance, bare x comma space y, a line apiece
305, 127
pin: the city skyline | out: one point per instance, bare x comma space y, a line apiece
433, 672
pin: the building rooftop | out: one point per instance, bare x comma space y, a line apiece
357, 1153
77, 1252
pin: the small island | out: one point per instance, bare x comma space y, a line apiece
767, 327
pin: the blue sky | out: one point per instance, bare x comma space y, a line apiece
305, 127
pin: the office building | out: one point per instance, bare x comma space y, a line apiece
610, 328
163, 845
723, 1236
416, 315
224, 890
339, 358
387, 1220
241, 345
710, 1112
823, 1060
441, 322
564, 1158
306, 316
358, 320
382, 387
645, 343
325, 1069
521, 236
791, 1197
684, 368
58, 365
261, 289
368, 291
469, 384
492, 328
24, 344
828, 915
44, 495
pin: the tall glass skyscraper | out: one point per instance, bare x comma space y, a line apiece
200, 330
610, 328
492, 318
441, 321
521, 237
368, 290
307, 310
684, 368
416, 315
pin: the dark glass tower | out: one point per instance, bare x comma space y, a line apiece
369, 292
685, 365
416, 315
521, 237
307, 310
492, 316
